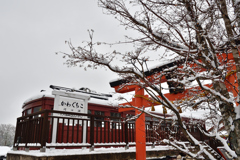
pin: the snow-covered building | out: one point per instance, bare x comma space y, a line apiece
100, 123
98, 104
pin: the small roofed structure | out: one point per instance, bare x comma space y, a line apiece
99, 103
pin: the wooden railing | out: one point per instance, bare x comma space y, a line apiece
57, 129
72, 130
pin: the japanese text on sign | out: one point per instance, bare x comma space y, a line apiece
71, 105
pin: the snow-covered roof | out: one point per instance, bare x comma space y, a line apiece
113, 102
38, 96
165, 63
109, 102
152, 70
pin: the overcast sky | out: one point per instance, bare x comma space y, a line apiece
30, 34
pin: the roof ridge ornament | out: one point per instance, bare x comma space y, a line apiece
92, 94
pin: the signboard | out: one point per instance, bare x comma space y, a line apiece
71, 105
69, 102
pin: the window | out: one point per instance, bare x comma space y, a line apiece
29, 111
100, 113
89, 112
99, 120
115, 123
37, 109
148, 119
113, 114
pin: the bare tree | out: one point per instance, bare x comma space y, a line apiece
202, 34
7, 132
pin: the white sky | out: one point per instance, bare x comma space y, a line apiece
30, 34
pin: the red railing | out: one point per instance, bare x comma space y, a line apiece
72, 130
37, 130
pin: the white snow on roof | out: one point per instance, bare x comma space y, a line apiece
115, 79
38, 96
165, 62
109, 102
112, 101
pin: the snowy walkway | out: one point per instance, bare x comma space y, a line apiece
68, 152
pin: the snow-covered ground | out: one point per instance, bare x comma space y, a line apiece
4, 150
64, 152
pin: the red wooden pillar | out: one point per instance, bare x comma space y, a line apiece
140, 127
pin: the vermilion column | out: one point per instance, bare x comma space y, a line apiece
140, 127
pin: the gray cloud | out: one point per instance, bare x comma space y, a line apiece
31, 32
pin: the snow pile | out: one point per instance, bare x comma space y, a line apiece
4, 150
199, 114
